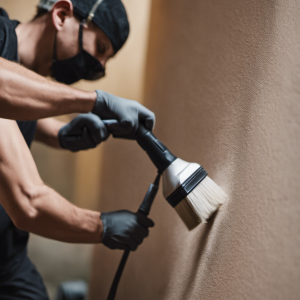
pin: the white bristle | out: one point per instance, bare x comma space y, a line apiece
187, 214
201, 203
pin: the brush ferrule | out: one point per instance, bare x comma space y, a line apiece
187, 186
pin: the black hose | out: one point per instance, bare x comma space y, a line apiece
144, 209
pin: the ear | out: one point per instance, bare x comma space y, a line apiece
61, 10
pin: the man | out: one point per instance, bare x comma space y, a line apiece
69, 40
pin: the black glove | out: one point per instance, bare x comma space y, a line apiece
129, 113
124, 230
83, 132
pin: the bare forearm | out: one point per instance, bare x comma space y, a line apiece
56, 218
26, 95
32, 205
43, 211
47, 132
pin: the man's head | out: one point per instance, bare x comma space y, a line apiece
109, 15
84, 35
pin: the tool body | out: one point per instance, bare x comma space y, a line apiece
186, 185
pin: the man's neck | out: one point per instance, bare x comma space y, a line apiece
35, 45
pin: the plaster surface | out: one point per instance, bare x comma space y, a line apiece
223, 78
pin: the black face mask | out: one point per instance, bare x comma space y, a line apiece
81, 66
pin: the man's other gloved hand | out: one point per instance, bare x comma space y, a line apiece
83, 132
124, 230
129, 113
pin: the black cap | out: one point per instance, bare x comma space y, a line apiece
110, 16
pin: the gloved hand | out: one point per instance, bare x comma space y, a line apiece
83, 132
124, 230
129, 113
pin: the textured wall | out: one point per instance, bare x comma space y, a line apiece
224, 80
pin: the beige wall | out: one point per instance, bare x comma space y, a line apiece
223, 78
77, 176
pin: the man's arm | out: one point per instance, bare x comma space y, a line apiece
26, 95
32, 205
47, 132
36, 208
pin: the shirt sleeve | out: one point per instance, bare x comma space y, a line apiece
8, 39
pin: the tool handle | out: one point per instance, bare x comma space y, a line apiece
144, 209
160, 155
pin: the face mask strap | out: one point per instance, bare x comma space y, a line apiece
80, 33
79, 40
54, 48
96, 69
87, 21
